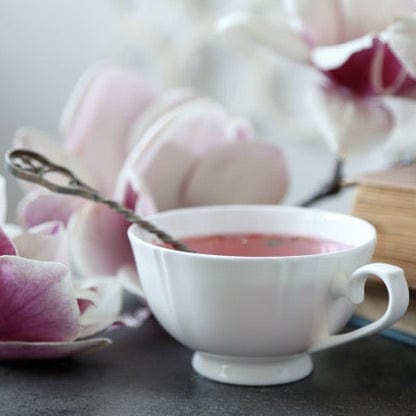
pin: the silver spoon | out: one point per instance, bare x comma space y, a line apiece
33, 167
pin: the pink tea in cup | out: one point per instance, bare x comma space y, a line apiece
261, 245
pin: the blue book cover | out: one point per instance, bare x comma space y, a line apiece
394, 334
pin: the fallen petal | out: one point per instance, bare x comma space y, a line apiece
99, 242
18, 350
37, 301
238, 173
133, 320
106, 309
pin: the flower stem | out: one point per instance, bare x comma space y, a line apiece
333, 187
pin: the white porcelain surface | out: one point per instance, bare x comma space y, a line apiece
253, 319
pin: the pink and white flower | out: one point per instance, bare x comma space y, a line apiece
180, 150
364, 50
44, 312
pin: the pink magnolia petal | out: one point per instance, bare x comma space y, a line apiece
38, 141
400, 37
374, 70
350, 124
18, 350
238, 173
166, 103
161, 161
99, 242
279, 35
7, 248
41, 206
106, 309
37, 301
111, 103
44, 242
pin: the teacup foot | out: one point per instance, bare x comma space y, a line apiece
252, 371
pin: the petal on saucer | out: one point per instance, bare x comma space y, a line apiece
106, 308
37, 301
18, 350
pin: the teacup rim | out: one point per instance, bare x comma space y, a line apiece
132, 233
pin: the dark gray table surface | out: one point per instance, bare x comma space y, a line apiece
146, 372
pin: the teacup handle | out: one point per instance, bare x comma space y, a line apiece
395, 281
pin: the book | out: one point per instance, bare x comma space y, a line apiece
388, 201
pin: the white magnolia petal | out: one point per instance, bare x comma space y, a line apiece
44, 242
18, 350
238, 173
41, 206
12, 230
401, 144
372, 16
401, 36
107, 305
111, 103
328, 22
166, 103
280, 35
99, 243
333, 56
350, 124
175, 148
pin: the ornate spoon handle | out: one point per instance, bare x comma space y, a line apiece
33, 167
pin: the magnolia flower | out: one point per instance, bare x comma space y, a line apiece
364, 51
182, 150
45, 313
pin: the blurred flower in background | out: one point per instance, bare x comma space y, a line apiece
364, 52
176, 43
151, 151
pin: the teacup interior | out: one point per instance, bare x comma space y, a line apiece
263, 219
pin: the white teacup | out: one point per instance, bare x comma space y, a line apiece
255, 320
